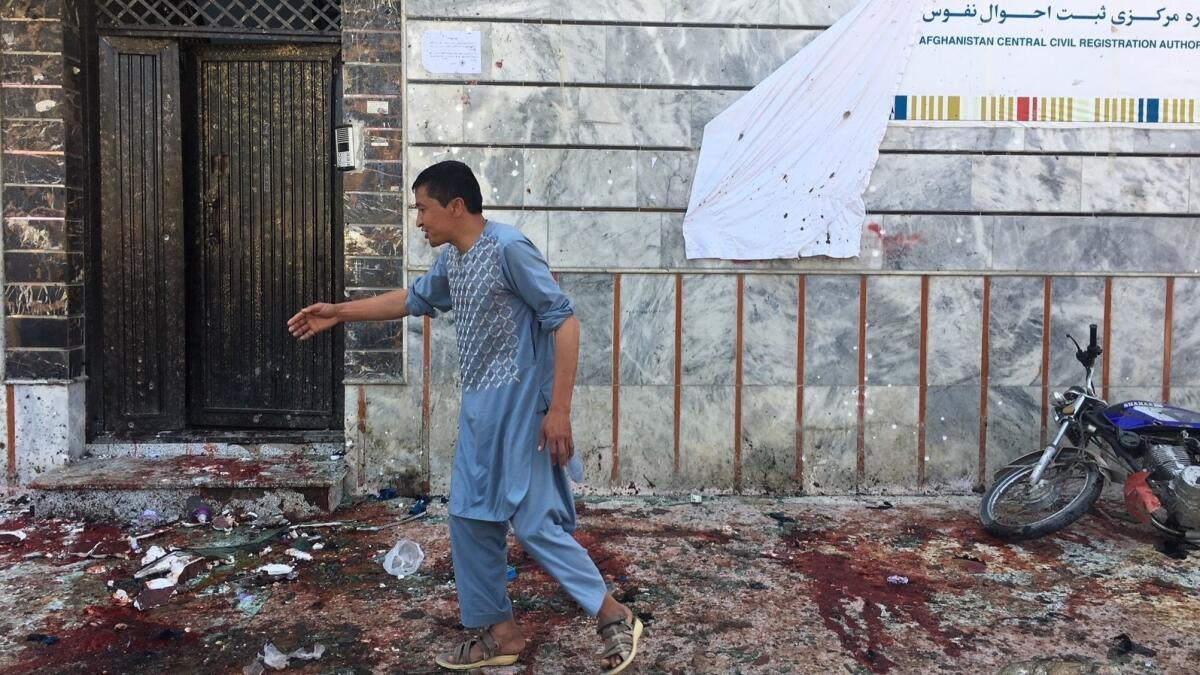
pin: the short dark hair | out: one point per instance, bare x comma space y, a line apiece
448, 180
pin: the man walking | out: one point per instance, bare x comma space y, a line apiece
518, 343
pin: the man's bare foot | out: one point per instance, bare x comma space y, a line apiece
610, 610
508, 639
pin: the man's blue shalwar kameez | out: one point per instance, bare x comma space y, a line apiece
507, 307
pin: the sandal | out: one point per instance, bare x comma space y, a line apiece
620, 639
488, 648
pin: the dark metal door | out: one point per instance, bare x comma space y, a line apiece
141, 235
264, 237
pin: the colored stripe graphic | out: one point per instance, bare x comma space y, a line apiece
1045, 109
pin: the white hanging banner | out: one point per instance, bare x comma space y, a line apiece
1074, 62
782, 171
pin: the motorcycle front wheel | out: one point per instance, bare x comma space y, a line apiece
1014, 508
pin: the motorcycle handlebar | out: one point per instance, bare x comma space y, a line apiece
1092, 341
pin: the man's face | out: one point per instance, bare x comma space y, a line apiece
437, 221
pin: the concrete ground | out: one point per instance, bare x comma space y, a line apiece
729, 585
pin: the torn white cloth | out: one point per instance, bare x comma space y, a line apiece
782, 171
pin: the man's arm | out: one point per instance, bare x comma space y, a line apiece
428, 294
322, 316
556, 428
383, 307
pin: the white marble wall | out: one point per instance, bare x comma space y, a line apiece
384, 447
771, 330
768, 12
1135, 351
647, 437
586, 136
49, 426
1185, 347
769, 438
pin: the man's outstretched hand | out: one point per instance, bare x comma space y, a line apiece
312, 320
556, 437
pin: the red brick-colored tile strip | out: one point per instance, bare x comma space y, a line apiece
1168, 334
737, 389
1048, 285
984, 366
923, 380
426, 376
678, 363
861, 460
616, 379
800, 306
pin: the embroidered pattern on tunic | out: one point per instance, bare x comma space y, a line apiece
484, 321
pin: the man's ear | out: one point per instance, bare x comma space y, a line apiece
458, 207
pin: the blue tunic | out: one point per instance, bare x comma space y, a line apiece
507, 307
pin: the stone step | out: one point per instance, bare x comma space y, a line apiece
215, 446
123, 488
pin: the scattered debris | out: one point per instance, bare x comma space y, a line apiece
1049, 667
837, 552
1123, 645
897, 580
224, 523
781, 518
149, 535
198, 510
881, 506
404, 559
155, 553
276, 569
377, 528
419, 506
971, 562
249, 604
332, 523
313, 654
12, 536
155, 593
173, 563
271, 656
1173, 548
384, 494
41, 638
696, 499
298, 554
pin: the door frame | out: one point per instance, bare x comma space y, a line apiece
96, 426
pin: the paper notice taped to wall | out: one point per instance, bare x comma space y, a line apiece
452, 52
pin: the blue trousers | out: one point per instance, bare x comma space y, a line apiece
542, 523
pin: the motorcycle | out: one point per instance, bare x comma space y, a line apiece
1153, 449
